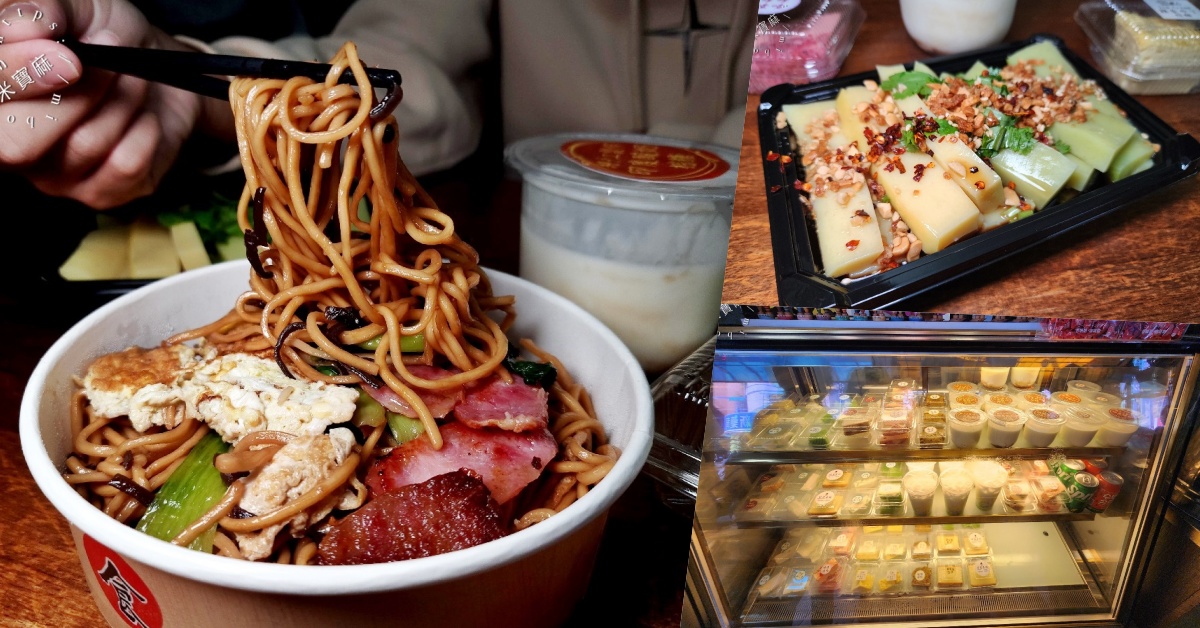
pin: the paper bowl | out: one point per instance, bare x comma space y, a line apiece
532, 577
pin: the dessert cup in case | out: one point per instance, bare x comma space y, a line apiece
1083, 388
965, 426
993, 378
961, 386
993, 400
990, 477
1064, 399
1024, 377
1030, 399
956, 489
965, 400
1004, 426
1118, 427
921, 486
1080, 426
1042, 427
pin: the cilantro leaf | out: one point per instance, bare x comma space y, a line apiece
907, 83
945, 127
910, 140
1062, 147
1007, 137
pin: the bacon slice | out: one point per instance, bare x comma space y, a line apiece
507, 461
445, 513
440, 402
514, 406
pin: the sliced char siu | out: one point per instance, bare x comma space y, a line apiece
507, 461
446, 512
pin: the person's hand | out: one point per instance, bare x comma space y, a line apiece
101, 138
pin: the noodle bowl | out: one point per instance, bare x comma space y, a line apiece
544, 567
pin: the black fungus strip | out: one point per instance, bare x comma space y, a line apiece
239, 513
287, 331
258, 236
127, 460
132, 489
347, 317
230, 478
367, 378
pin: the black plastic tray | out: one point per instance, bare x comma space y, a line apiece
793, 238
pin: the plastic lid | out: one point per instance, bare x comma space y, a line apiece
804, 44
1144, 39
1045, 416
632, 170
1121, 414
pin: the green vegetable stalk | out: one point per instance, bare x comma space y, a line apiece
190, 491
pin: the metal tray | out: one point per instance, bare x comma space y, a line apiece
793, 237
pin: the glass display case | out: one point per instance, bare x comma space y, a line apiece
865, 471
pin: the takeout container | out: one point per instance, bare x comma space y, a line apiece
798, 265
802, 42
634, 229
1146, 48
533, 577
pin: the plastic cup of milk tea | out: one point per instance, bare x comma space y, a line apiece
920, 486
1119, 425
966, 424
632, 228
946, 26
1043, 426
956, 488
1080, 426
990, 477
1004, 426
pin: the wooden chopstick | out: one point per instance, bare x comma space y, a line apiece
199, 72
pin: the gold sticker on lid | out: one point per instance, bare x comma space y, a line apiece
646, 162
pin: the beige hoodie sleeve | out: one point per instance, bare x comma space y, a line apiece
433, 43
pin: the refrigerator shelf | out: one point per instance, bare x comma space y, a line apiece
968, 604
806, 456
934, 519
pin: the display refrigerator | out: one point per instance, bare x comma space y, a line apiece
931, 470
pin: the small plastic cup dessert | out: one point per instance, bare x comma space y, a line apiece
990, 478
993, 377
1004, 426
1080, 426
1043, 426
920, 486
966, 424
1031, 399
954, 388
1119, 425
994, 400
1101, 402
956, 488
1083, 388
1065, 399
1024, 377
965, 400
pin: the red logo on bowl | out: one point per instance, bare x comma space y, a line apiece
647, 162
123, 588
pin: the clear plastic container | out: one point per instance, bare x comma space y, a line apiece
1042, 427
632, 228
1145, 47
966, 424
1004, 425
1119, 425
802, 42
1081, 425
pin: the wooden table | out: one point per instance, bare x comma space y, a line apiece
1139, 263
